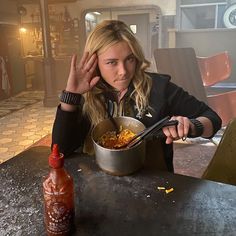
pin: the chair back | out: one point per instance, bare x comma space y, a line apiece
181, 64
224, 105
215, 69
222, 167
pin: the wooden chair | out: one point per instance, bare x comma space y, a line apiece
182, 66
215, 69
222, 167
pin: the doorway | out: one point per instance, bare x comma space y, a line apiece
139, 24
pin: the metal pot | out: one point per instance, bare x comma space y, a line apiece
119, 161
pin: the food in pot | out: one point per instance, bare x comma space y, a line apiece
112, 140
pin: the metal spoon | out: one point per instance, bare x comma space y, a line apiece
110, 112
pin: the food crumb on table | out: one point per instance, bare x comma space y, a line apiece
166, 190
169, 190
161, 188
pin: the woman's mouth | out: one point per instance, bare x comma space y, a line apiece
122, 79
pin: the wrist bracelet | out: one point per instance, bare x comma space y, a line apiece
70, 98
198, 128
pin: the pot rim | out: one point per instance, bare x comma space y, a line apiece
121, 149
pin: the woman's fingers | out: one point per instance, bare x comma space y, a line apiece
169, 140
94, 81
71, 82
86, 63
186, 127
176, 132
90, 64
83, 60
73, 63
183, 126
171, 133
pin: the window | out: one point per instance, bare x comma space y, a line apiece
202, 15
133, 28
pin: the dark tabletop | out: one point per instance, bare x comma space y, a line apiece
110, 205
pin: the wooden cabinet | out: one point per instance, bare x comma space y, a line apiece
64, 32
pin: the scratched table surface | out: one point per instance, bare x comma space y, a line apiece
112, 205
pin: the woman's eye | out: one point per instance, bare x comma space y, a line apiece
131, 59
111, 62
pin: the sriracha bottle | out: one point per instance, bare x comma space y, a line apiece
58, 191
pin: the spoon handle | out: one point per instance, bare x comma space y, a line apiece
110, 110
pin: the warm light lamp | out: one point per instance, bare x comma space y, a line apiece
22, 30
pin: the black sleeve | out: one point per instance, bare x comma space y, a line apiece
69, 130
183, 104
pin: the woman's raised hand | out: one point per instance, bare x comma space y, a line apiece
83, 76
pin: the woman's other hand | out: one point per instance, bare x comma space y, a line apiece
185, 127
82, 77
177, 132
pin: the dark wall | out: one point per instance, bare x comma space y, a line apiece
208, 43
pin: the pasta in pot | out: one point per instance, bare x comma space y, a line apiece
112, 140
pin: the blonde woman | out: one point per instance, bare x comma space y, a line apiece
112, 70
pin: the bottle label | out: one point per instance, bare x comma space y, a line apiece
58, 217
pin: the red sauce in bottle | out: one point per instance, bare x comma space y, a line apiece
58, 190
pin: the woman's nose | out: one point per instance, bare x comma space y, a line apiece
122, 69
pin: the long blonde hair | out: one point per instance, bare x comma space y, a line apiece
106, 34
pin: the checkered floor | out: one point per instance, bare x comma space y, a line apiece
19, 101
23, 121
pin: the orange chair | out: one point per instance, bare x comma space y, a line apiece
215, 69
224, 104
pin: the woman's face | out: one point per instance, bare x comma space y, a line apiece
117, 65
